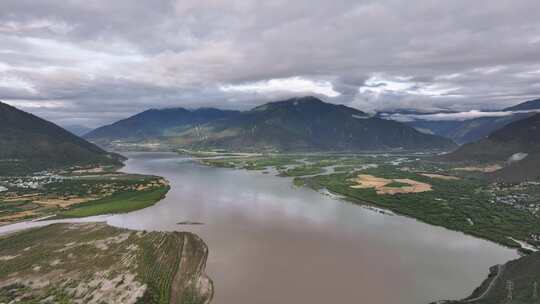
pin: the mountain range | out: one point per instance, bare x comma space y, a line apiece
517, 144
297, 124
30, 143
470, 130
156, 124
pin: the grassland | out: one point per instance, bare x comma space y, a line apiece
96, 263
117, 203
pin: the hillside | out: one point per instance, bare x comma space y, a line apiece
97, 263
305, 124
155, 124
29, 143
517, 144
522, 272
466, 131
525, 106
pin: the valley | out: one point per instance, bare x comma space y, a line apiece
269, 152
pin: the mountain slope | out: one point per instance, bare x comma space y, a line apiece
154, 124
466, 131
29, 142
524, 106
308, 123
518, 144
78, 130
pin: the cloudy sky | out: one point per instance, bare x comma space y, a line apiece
91, 62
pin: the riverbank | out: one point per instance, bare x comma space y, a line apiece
97, 263
454, 199
524, 276
77, 193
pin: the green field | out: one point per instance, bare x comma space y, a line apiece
117, 203
462, 205
77, 194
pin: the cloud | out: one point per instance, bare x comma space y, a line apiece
379, 85
292, 84
456, 116
122, 57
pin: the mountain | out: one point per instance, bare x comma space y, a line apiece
517, 144
78, 130
462, 131
525, 106
29, 143
156, 124
466, 131
308, 123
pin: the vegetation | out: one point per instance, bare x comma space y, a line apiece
117, 203
297, 124
523, 273
72, 263
462, 205
303, 170
458, 200
76, 194
31, 144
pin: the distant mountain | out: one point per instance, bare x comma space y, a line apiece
156, 124
29, 143
308, 123
466, 131
525, 106
517, 144
462, 131
78, 130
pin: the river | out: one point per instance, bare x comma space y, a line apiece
271, 242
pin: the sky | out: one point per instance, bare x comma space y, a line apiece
93, 62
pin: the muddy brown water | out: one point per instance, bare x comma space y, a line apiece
271, 242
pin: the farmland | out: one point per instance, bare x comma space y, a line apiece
76, 194
96, 263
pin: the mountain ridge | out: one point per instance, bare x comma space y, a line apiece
40, 144
517, 145
296, 124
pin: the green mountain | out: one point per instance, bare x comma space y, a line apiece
308, 124
517, 144
156, 124
78, 130
29, 143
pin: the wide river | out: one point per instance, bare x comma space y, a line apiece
271, 242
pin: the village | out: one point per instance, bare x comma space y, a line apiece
522, 196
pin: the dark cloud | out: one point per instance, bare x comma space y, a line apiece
92, 62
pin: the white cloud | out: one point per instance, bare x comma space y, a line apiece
458, 116
378, 85
292, 84
16, 83
48, 104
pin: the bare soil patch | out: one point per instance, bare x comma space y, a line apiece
365, 181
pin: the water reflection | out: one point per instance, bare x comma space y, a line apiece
273, 243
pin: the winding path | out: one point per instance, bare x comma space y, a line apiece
490, 286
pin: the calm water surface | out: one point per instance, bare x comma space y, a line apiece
273, 243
